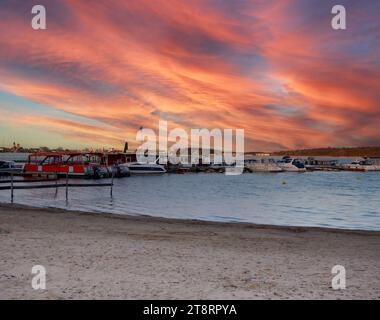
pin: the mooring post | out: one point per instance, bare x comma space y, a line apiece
113, 175
67, 186
11, 187
56, 184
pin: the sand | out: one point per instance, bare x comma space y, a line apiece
102, 256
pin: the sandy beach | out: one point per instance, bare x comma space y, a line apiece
102, 256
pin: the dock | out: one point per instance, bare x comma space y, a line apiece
13, 184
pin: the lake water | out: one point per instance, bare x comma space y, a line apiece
349, 200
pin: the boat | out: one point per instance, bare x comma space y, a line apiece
149, 168
218, 167
76, 164
361, 166
9, 167
291, 165
62, 164
313, 164
262, 165
114, 162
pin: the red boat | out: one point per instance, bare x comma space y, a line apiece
76, 164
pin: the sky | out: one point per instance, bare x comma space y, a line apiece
277, 69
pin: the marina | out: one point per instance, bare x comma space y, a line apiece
330, 193
97, 165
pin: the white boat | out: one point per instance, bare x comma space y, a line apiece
321, 164
262, 165
10, 167
291, 165
361, 165
139, 168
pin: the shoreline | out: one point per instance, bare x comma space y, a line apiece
139, 217
108, 256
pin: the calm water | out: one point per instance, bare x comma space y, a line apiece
349, 200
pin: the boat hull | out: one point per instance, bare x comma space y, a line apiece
263, 168
292, 168
149, 169
360, 168
80, 171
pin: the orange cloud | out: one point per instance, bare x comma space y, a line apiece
274, 68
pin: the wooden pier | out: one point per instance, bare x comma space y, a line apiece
13, 185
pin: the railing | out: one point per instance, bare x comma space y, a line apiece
56, 185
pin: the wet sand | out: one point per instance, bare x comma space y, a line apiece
102, 256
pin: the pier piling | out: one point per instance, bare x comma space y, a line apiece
13, 184
67, 186
56, 185
113, 175
11, 187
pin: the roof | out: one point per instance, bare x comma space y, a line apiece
72, 154
54, 154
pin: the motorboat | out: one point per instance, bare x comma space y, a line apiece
291, 165
262, 165
313, 164
8, 167
142, 168
361, 165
